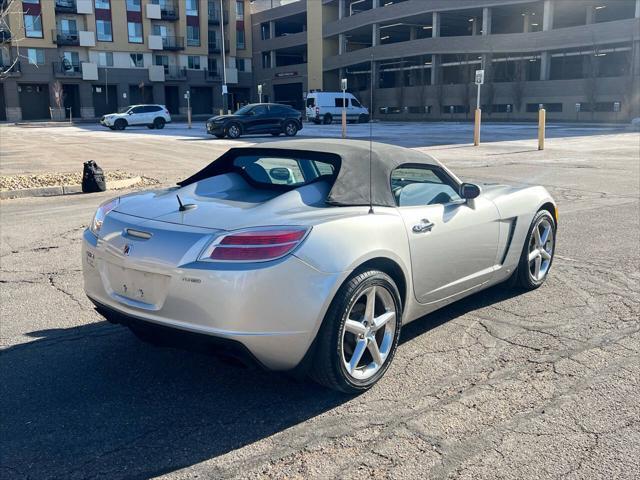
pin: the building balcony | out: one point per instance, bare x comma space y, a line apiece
63, 37
11, 69
169, 11
213, 15
67, 70
173, 72
212, 76
66, 6
214, 48
173, 43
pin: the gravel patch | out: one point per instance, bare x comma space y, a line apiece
19, 182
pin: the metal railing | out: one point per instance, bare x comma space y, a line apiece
67, 69
66, 6
173, 72
212, 75
11, 68
173, 43
213, 15
66, 37
168, 10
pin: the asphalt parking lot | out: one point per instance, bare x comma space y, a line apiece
500, 385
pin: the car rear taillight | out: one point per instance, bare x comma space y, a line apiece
255, 245
317, 111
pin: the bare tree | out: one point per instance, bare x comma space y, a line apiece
11, 28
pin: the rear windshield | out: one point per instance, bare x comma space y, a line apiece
282, 171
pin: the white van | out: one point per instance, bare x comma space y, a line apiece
325, 107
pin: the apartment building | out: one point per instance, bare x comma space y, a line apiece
578, 58
107, 54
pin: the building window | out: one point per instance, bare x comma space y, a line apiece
240, 39
193, 36
103, 5
192, 8
104, 33
133, 6
134, 30
105, 59
212, 65
240, 64
240, 9
193, 62
35, 56
33, 26
137, 60
266, 59
68, 26
71, 61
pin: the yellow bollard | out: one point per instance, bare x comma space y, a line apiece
189, 116
476, 127
344, 123
542, 120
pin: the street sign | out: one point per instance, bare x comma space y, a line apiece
343, 84
224, 89
616, 106
186, 95
259, 89
578, 107
508, 108
479, 77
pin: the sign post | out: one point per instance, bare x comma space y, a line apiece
259, 93
343, 86
478, 113
542, 121
187, 96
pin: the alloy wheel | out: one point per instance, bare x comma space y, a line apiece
234, 131
368, 333
290, 129
540, 249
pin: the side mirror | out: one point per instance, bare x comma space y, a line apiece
469, 191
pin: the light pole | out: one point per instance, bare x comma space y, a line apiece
224, 63
343, 85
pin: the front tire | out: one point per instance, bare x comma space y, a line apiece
327, 119
159, 123
360, 333
120, 124
233, 131
537, 253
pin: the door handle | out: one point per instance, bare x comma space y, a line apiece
424, 226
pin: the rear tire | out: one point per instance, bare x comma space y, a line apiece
327, 119
366, 310
537, 253
290, 129
120, 124
159, 123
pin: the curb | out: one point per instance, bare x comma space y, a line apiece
64, 189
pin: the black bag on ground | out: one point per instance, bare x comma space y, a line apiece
93, 178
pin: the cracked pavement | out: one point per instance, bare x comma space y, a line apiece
499, 385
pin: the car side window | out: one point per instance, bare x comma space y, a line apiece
355, 103
153, 108
259, 110
414, 186
137, 110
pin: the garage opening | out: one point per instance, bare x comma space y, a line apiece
289, 94
3, 106
201, 100
140, 94
105, 99
172, 99
34, 101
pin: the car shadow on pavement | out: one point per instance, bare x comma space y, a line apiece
94, 401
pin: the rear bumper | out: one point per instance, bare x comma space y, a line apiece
273, 310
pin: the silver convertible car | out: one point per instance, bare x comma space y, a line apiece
310, 255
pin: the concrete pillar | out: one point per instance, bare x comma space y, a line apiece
526, 23
315, 44
375, 34
272, 29
340, 9
545, 65
273, 58
435, 23
413, 33
475, 29
547, 16
637, 15
375, 3
590, 17
435, 69
341, 44
486, 21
